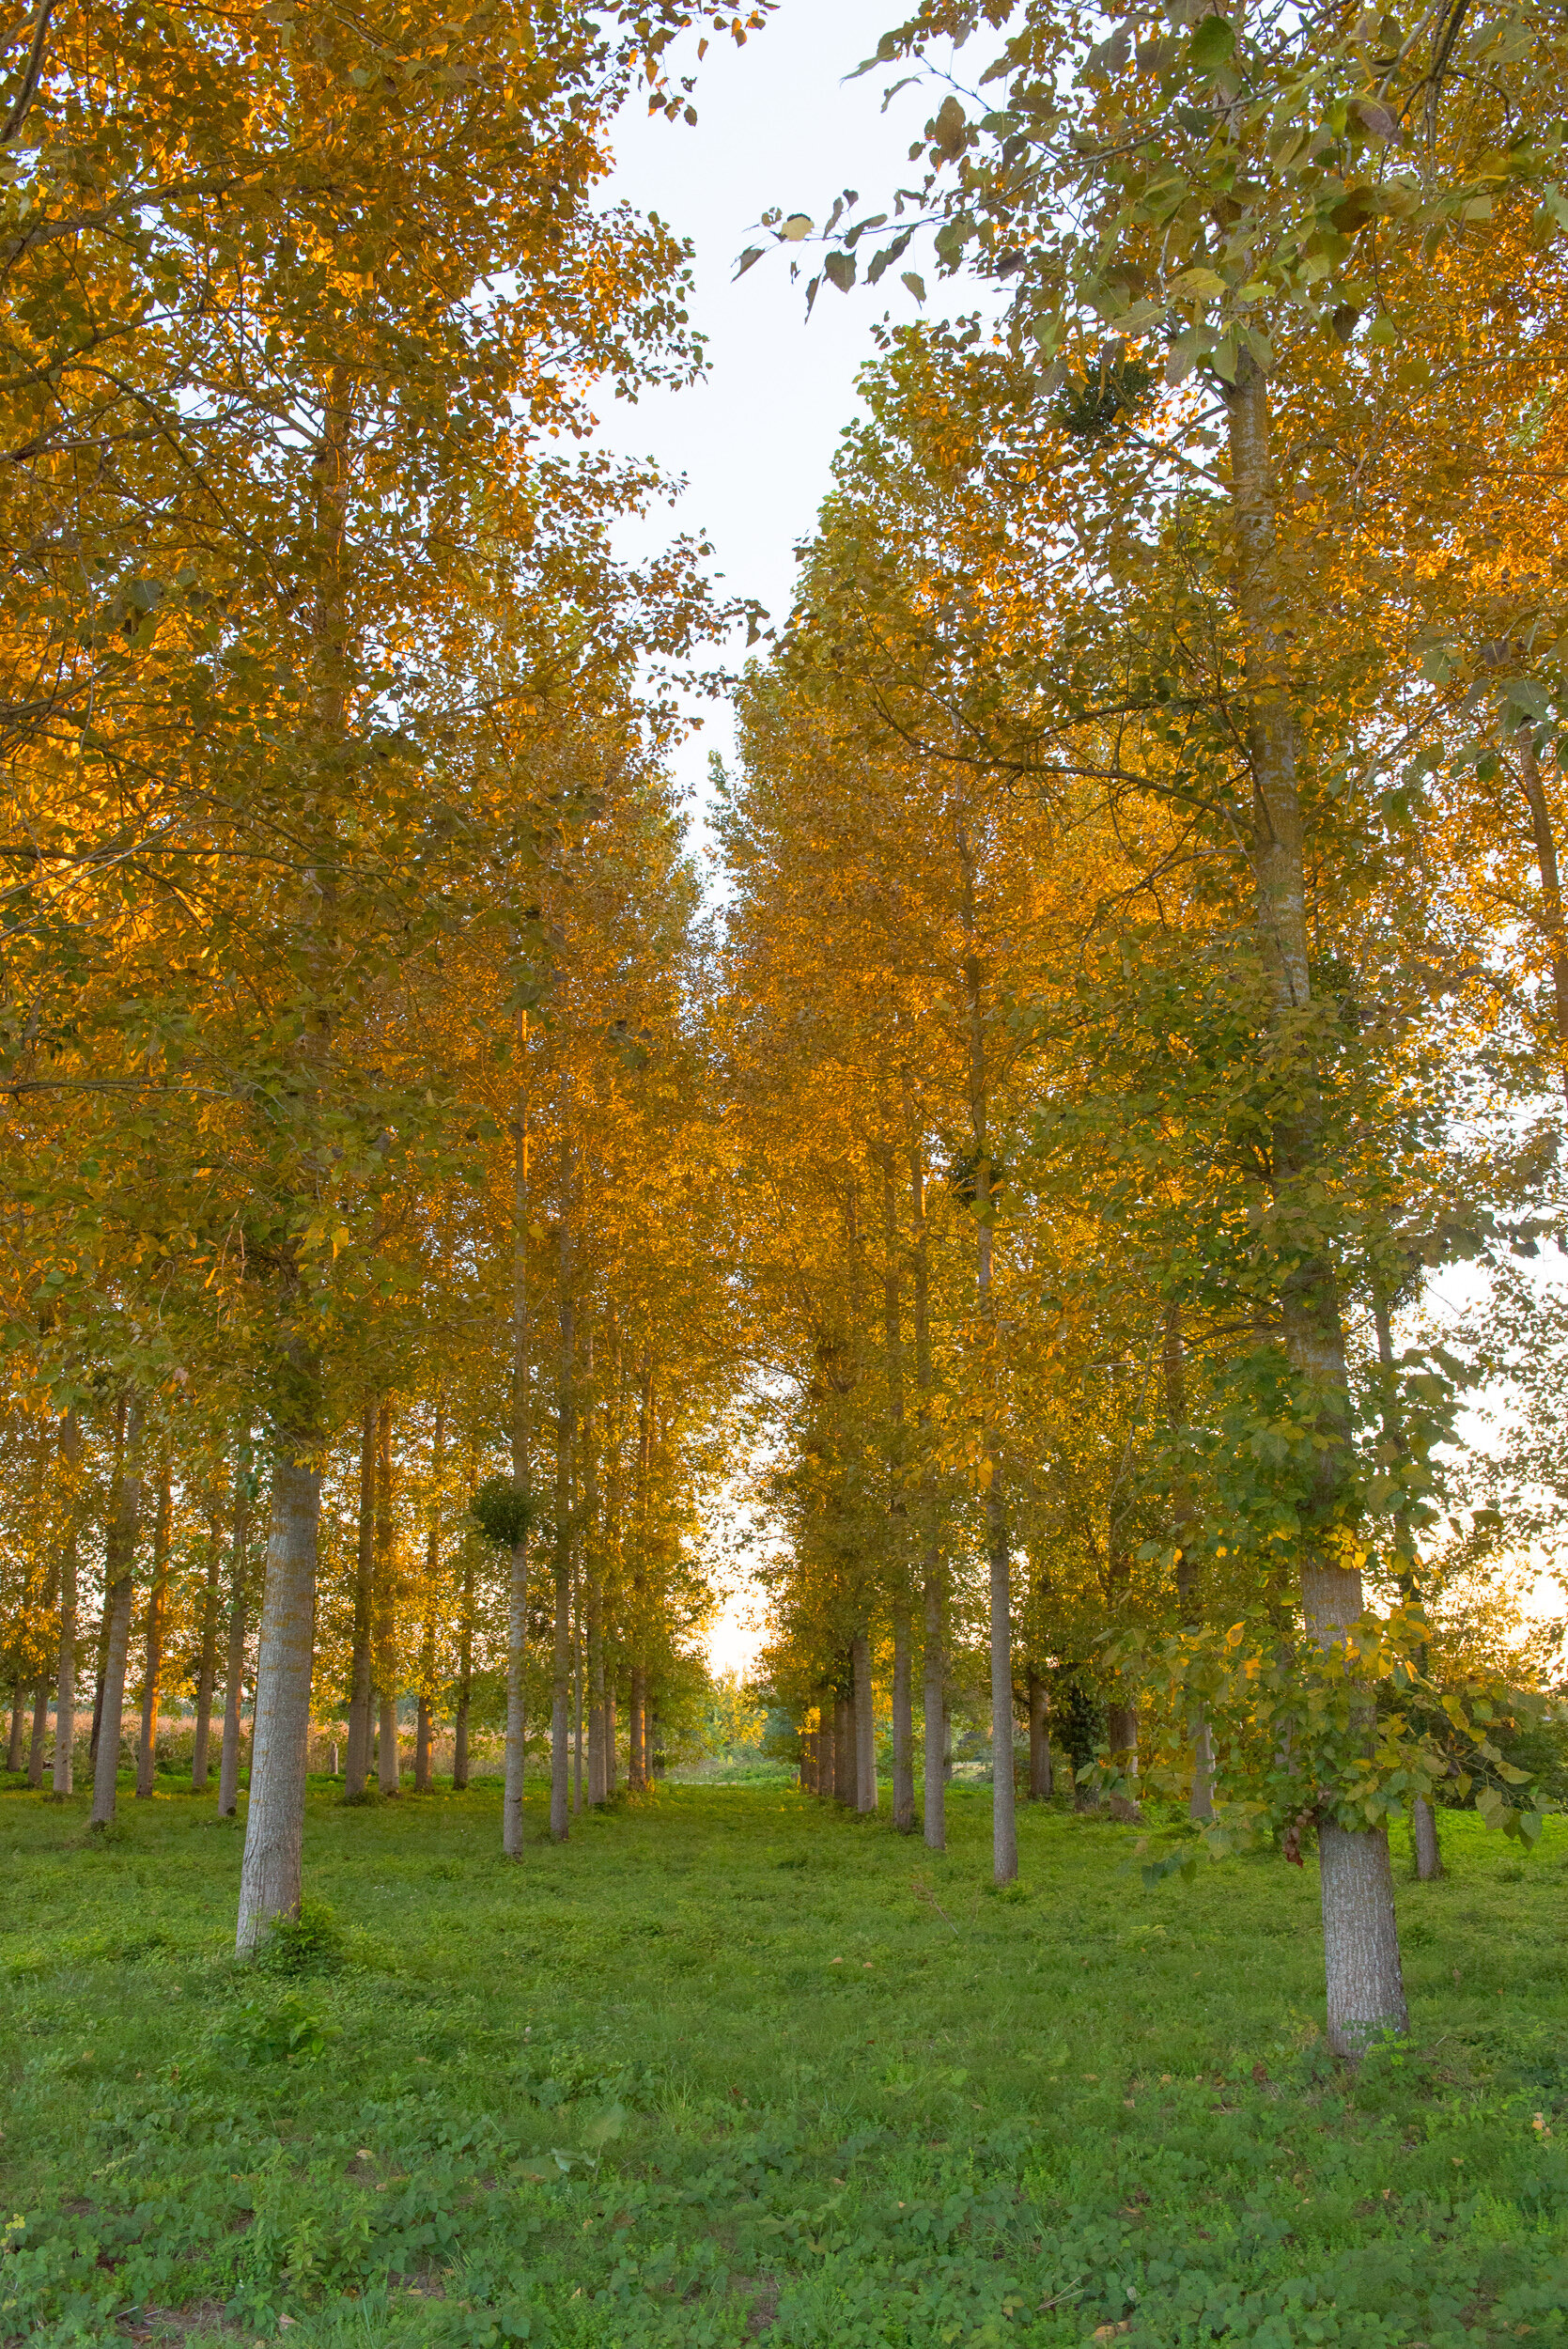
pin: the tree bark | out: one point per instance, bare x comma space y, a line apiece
843, 1752
38, 1735
19, 1705
598, 1780
271, 1872
146, 1752
609, 1756
432, 1576
1040, 1774
1423, 1822
1122, 1735
637, 1757
516, 1578
565, 1431
933, 1677
865, 1723
465, 1673
119, 1585
903, 1722
1199, 1806
356, 1763
389, 1764
228, 1760
1004, 1840
65, 1683
1365, 1989
207, 1668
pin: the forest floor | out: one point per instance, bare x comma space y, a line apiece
728, 2068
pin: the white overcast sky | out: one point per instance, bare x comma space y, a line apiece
777, 124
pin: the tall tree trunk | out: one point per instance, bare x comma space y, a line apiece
19, 1717
356, 1763
565, 1431
516, 1578
1189, 1602
637, 1757
598, 1783
1121, 1736
40, 1734
898, 1511
577, 1694
271, 1872
1423, 1819
465, 1672
903, 1722
206, 1667
119, 1585
146, 1752
389, 1764
1365, 1988
432, 1576
933, 1676
845, 1789
610, 1737
1040, 1774
65, 1683
584, 1546
228, 1760
864, 1724
1004, 1839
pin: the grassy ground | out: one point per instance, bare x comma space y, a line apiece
727, 2068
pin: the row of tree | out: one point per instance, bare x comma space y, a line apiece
1148, 956
356, 1133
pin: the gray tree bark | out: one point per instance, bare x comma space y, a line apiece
1364, 1985
933, 1677
389, 1762
516, 1577
65, 1683
207, 1668
271, 1871
465, 1673
119, 1585
566, 1432
865, 1723
1040, 1776
146, 1752
843, 1752
228, 1759
356, 1766
903, 1722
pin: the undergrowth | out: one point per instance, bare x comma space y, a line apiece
729, 2068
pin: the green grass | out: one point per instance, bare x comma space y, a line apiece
622, 2094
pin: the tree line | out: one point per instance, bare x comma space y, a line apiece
1139, 960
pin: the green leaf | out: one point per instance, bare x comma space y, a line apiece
839, 270
1212, 45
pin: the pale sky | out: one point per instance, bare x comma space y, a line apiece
777, 124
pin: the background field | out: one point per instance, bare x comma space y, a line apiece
728, 2067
